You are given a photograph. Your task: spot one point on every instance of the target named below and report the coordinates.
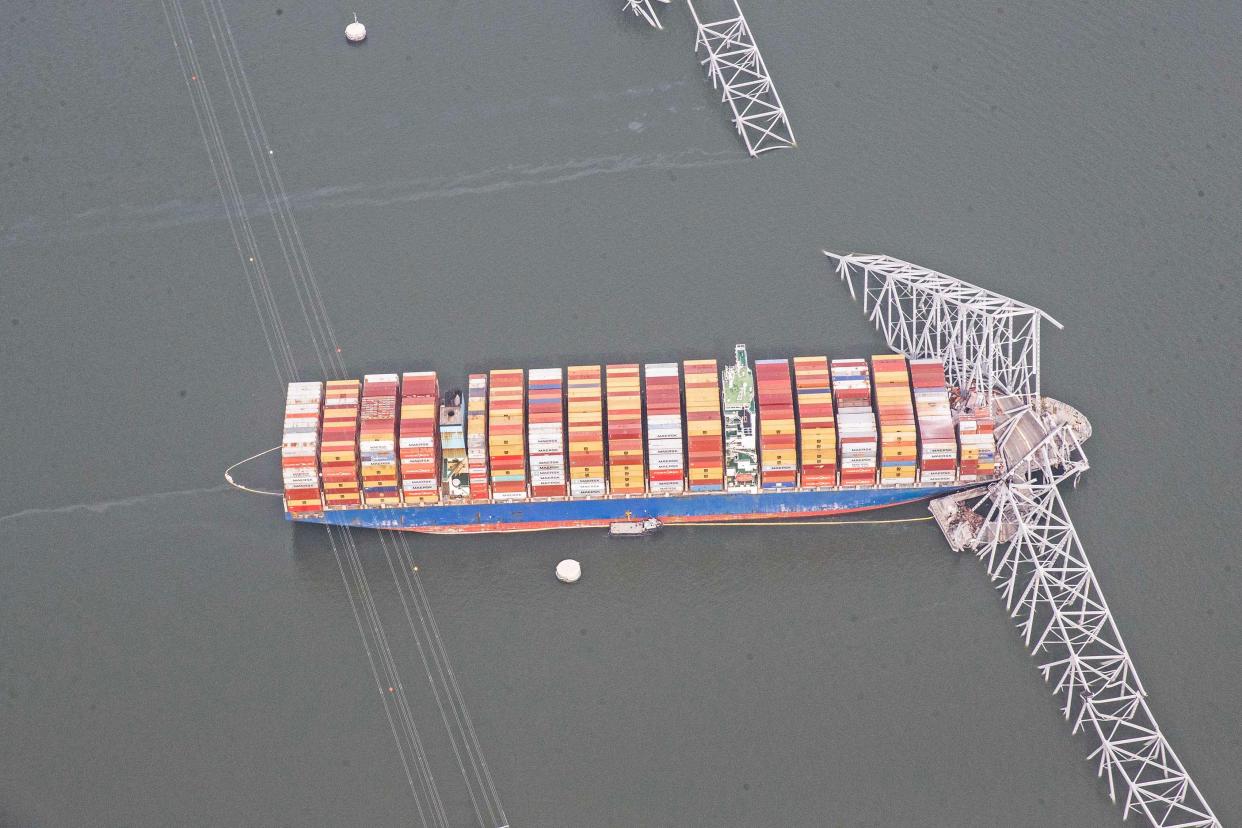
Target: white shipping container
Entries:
(587, 487)
(508, 495)
(938, 477)
(857, 463)
(666, 464)
(386, 446)
(666, 486)
(856, 444)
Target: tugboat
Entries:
(634, 528)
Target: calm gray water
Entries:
(536, 184)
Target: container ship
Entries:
(628, 445)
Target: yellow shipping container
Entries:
(421, 497)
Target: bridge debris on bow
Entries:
(1020, 528)
(736, 67)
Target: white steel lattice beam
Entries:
(736, 67)
(1019, 526)
(989, 343)
(644, 9)
(1046, 581)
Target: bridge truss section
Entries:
(1033, 555)
(1019, 525)
(989, 343)
(736, 68)
(644, 9)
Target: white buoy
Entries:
(568, 571)
(355, 32)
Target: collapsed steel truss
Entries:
(989, 343)
(1020, 528)
(644, 9)
(736, 68)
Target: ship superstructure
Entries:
(741, 455)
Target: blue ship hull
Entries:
(528, 515)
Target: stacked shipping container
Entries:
(476, 437)
(665, 455)
(338, 453)
(817, 425)
(703, 426)
(377, 444)
(624, 408)
(420, 396)
(454, 469)
(778, 430)
(393, 440)
(546, 428)
(937, 446)
(586, 431)
(856, 434)
(299, 448)
(506, 438)
(898, 437)
(978, 445)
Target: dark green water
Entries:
(538, 184)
